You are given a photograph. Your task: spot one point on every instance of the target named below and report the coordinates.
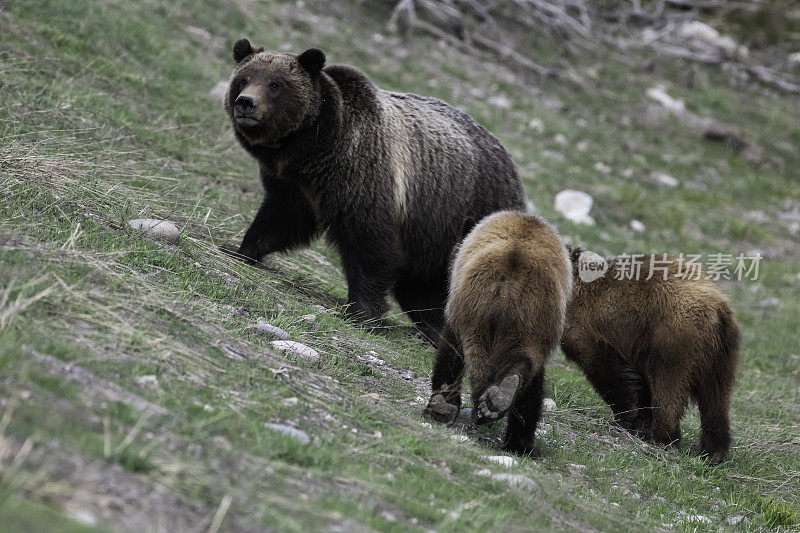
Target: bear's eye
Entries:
(243, 83)
(274, 85)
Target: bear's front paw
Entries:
(440, 411)
(236, 253)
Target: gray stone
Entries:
(273, 331)
(157, 229)
(575, 206)
(517, 481)
(289, 431)
(298, 349)
(147, 382)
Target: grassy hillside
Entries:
(134, 392)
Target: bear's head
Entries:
(273, 94)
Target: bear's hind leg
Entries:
(524, 416)
(670, 392)
(448, 371)
(714, 404)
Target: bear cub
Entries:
(510, 284)
(647, 345)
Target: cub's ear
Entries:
(467, 226)
(574, 253)
(243, 49)
(312, 60)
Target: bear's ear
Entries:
(312, 60)
(243, 49)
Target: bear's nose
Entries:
(244, 105)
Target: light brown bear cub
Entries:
(510, 284)
(647, 345)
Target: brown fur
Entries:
(509, 288)
(648, 345)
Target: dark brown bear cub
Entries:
(389, 177)
(647, 345)
(509, 287)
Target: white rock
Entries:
(483, 472)
(689, 517)
(219, 91)
(560, 139)
(291, 402)
(427, 425)
(734, 519)
(696, 30)
(555, 156)
(269, 329)
(500, 102)
(459, 438)
(81, 516)
(662, 178)
(575, 206)
(298, 349)
(158, 229)
(503, 460)
(602, 167)
(548, 404)
(659, 95)
(794, 60)
(147, 382)
(536, 125)
(637, 226)
(289, 431)
(516, 480)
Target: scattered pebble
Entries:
(769, 302)
(734, 519)
(82, 516)
(208, 408)
(427, 425)
(560, 139)
(483, 472)
(147, 382)
(536, 125)
(575, 206)
(290, 402)
(688, 517)
(660, 95)
(503, 460)
(602, 168)
(269, 329)
(662, 178)
(298, 349)
(542, 429)
(500, 102)
(421, 400)
(309, 318)
(157, 229)
(548, 404)
(459, 438)
(637, 226)
(289, 431)
(371, 396)
(518, 481)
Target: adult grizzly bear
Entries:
(646, 345)
(509, 288)
(389, 177)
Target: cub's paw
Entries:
(712, 457)
(493, 404)
(440, 411)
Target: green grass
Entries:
(104, 118)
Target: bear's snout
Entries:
(244, 106)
